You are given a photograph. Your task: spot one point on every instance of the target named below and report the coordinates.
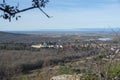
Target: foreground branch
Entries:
(11, 11)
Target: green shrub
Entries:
(115, 71)
(65, 70)
(89, 77)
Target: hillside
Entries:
(79, 55)
(6, 37)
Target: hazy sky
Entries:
(67, 14)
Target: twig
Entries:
(44, 12)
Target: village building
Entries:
(45, 45)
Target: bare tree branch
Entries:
(44, 12)
(10, 11)
(23, 10)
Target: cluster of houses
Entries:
(46, 45)
(80, 45)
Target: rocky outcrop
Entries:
(66, 77)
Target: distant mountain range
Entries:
(35, 36)
(11, 37)
(7, 37)
(77, 30)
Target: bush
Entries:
(65, 70)
(8, 72)
(31, 66)
(115, 71)
(89, 77)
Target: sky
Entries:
(66, 14)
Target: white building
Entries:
(46, 46)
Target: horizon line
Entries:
(75, 29)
